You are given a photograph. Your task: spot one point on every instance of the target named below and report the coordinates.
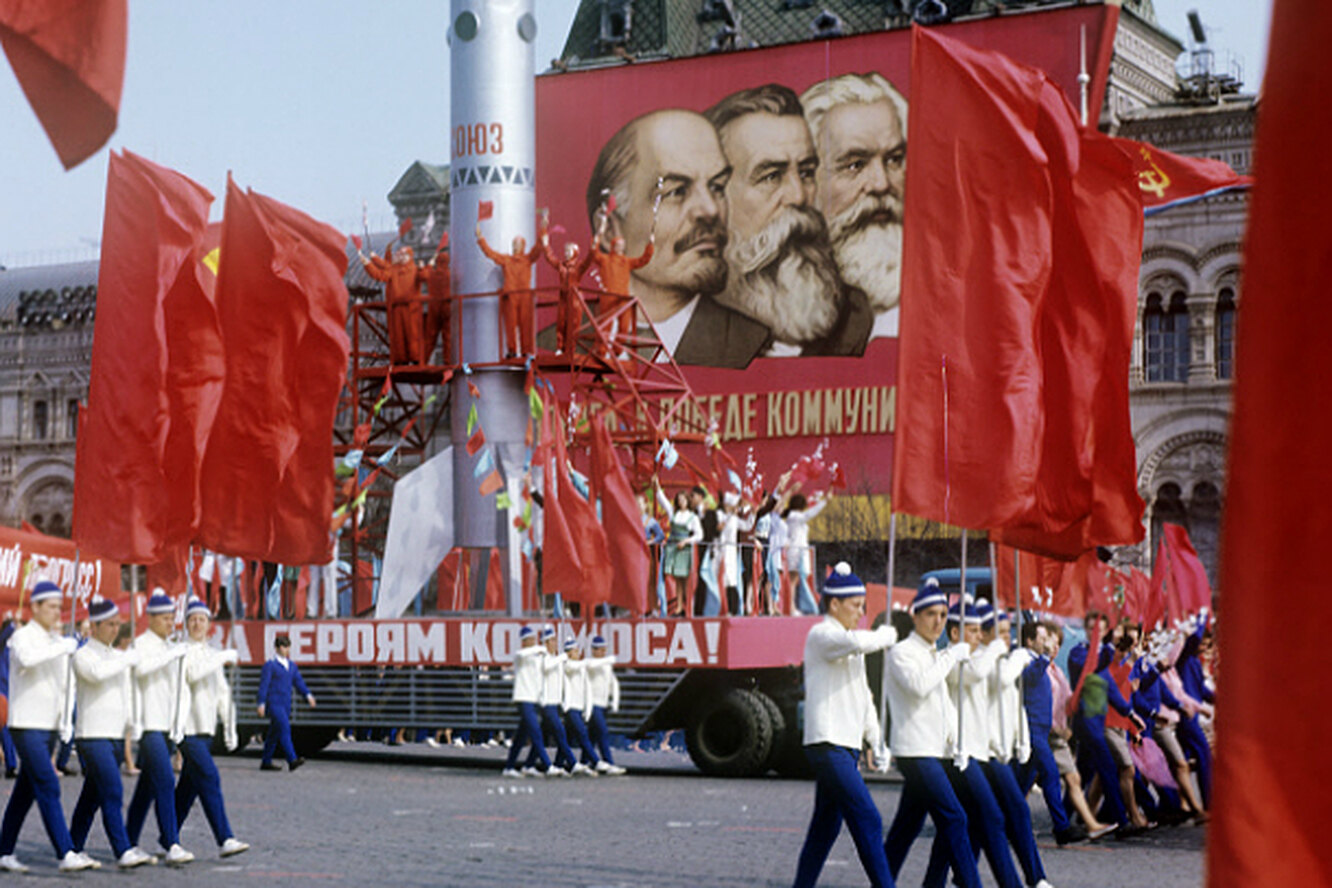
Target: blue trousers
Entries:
(578, 730)
(7, 747)
(37, 781)
(199, 778)
(1017, 818)
(564, 757)
(1094, 758)
(1042, 766)
(804, 598)
(926, 790)
(707, 574)
(840, 795)
(279, 734)
(1194, 743)
(985, 827)
(529, 729)
(156, 787)
(101, 789)
(600, 734)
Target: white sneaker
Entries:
(232, 846)
(615, 771)
(11, 864)
(432, 742)
(135, 857)
(492, 743)
(73, 862)
(581, 769)
(460, 744)
(533, 772)
(512, 773)
(603, 766)
(1043, 883)
(558, 772)
(93, 863)
(177, 855)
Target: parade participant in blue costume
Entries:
(1190, 733)
(38, 671)
(923, 736)
(603, 694)
(840, 721)
(1038, 697)
(103, 675)
(6, 742)
(207, 700)
(552, 694)
(276, 681)
(527, 685)
(157, 684)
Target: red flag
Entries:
(495, 583)
(69, 57)
(267, 488)
(1047, 584)
(1168, 180)
(623, 521)
(1179, 574)
(477, 441)
(157, 368)
(485, 209)
(575, 553)
(491, 483)
(1268, 825)
(404, 226)
(1010, 355)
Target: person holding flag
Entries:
(102, 673)
(576, 704)
(38, 665)
(206, 700)
(603, 693)
(527, 687)
(157, 676)
(840, 721)
(516, 308)
(552, 695)
(402, 280)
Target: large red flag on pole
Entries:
(1178, 574)
(69, 58)
(623, 520)
(157, 368)
(1272, 767)
(267, 482)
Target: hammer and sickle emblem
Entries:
(1153, 180)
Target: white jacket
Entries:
(38, 671)
(603, 688)
(527, 674)
(103, 691)
(924, 720)
(976, 676)
(552, 679)
(839, 708)
(156, 681)
(1010, 736)
(575, 686)
(207, 693)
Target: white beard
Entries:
(785, 277)
(870, 256)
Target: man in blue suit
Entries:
(275, 684)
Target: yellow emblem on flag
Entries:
(210, 259)
(1152, 180)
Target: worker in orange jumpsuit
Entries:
(615, 269)
(571, 271)
(516, 309)
(402, 291)
(439, 310)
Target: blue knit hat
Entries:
(160, 603)
(928, 595)
(986, 612)
(570, 644)
(547, 633)
(841, 583)
(598, 641)
(197, 606)
(44, 591)
(972, 617)
(526, 632)
(102, 609)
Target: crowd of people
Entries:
(977, 717)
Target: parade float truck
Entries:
(733, 684)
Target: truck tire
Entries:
(311, 739)
(730, 736)
(778, 723)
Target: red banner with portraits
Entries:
(771, 183)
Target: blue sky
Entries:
(319, 103)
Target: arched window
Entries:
(39, 419)
(1225, 334)
(56, 526)
(1168, 508)
(1166, 330)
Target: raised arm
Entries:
(96, 670)
(831, 645)
(485, 248)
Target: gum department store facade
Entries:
(1187, 305)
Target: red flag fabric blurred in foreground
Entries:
(1269, 821)
(623, 521)
(1179, 574)
(1166, 180)
(157, 368)
(69, 58)
(561, 562)
(267, 483)
(585, 530)
(1014, 406)
(1046, 583)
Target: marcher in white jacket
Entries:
(603, 693)
(576, 706)
(527, 687)
(207, 700)
(552, 697)
(840, 721)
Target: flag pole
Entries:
(959, 756)
(883, 679)
(67, 707)
(1084, 79)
